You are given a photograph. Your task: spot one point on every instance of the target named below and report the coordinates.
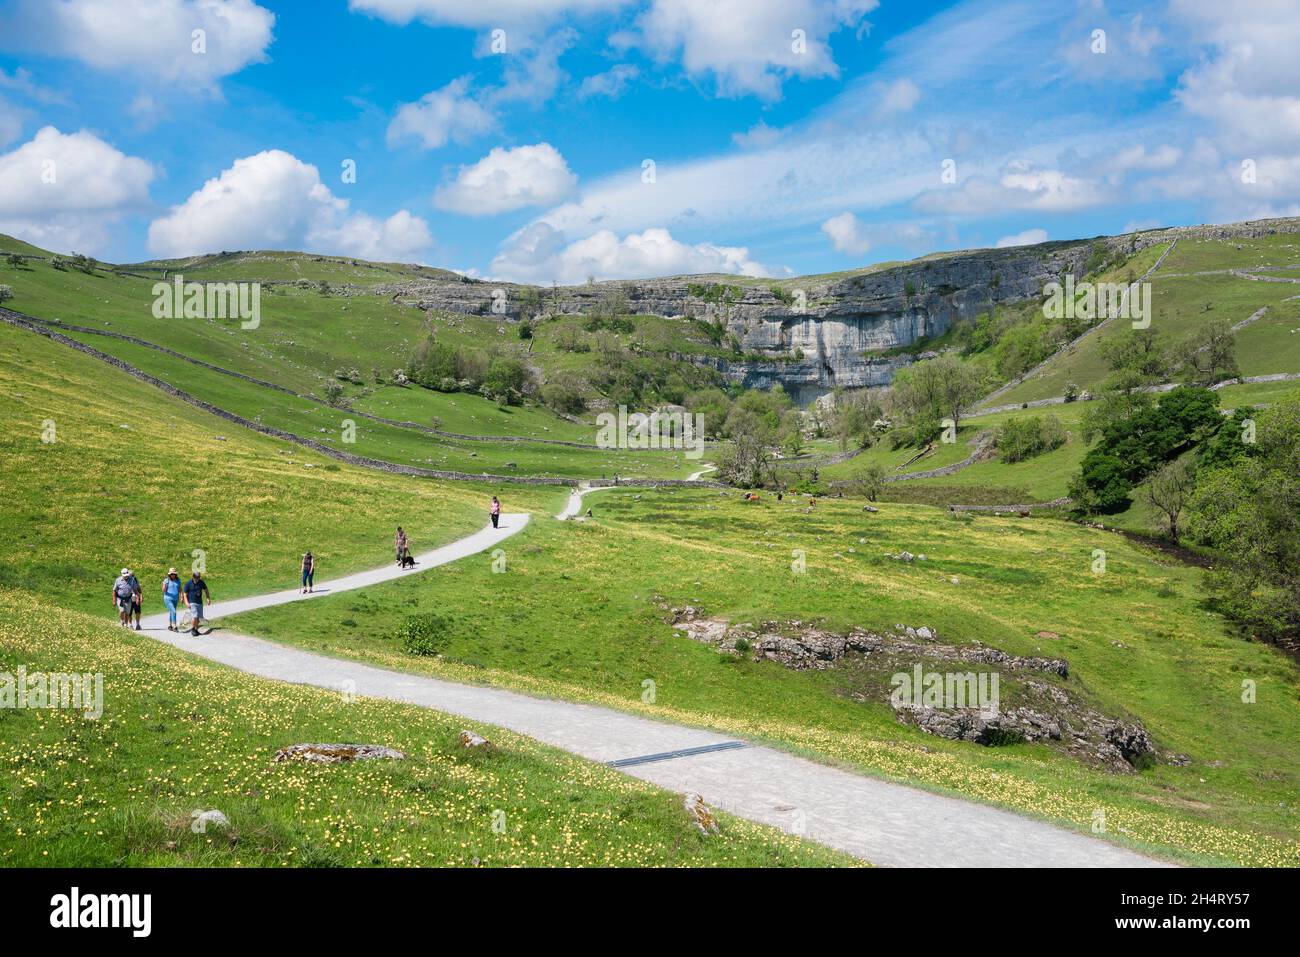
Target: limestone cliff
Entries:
(815, 333)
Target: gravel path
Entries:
(886, 823)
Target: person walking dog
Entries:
(399, 544)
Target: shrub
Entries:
(424, 634)
(564, 395)
(6, 293)
(333, 392)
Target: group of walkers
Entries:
(128, 598)
(192, 593)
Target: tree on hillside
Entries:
(1210, 355)
(927, 392)
(1168, 493)
(1136, 358)
(1250, 512)
(747, 459)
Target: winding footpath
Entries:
(885, 823)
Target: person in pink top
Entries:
(495, 511)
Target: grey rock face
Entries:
(813, 334)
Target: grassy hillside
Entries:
(575, 617)
(178, 736)
(137, 478)
(1196, 275)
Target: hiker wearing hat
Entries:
(171, 591)
(127, 598)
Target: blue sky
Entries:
(786, 136)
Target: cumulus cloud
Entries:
(65, 191)
(1029, 237)
(846, 234)
(273, 200)
(508, 179)
(748, 46)
(449, 113)
(152, 38)
(1249, 84)
(540, 253)
(611, 84)
(852, 237)
(1022, 185)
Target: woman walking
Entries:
(308, 572)
(495, 511)
(171, 592)
(399, 544)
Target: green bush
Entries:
(424, 634)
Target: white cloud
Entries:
(532, 72)
(897, 97)
(1029, 237)
(801, 180)
(508, 179)
(479, 13)
(757, 136)
(611, 84)
(273, 200)
(748, 46)
(846, 234)
(1021, 185)
(152, 38)
(539, 253)
(65, 191)
(1250, 83)
(854, 238)
(449, 113)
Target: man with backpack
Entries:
(127, 598)
(196, 590)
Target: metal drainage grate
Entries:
(682, 753)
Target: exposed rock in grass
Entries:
(1041, 710)
(336, 753)
(701, 814)
(202, 819)
(468, 739)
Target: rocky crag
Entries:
(815, 333)
(1036, 703)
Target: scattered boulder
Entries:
(701, 814)
(203, 818)
(337, 753)
(468, 739)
